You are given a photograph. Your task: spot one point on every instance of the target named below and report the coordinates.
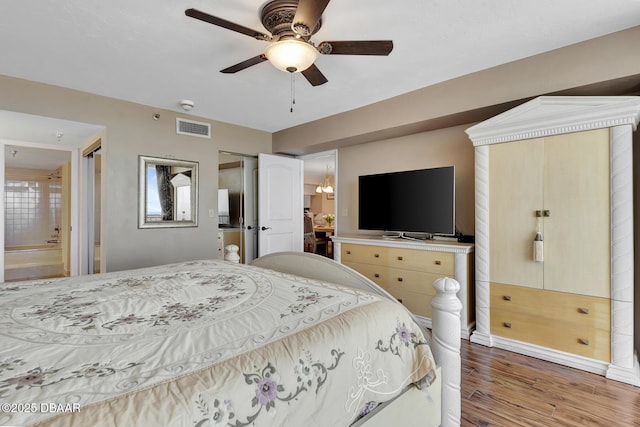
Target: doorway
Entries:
(92, 188)
(238, 204)
(320, 201)
(37, 190)
(38, 141)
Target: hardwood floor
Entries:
(501, 388)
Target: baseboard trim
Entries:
(482, 338)
(626, 375)
(560, 357)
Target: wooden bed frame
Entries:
(441, 405)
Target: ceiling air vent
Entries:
(189, 127)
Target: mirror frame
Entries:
(143, 163)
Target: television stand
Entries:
(401, 235)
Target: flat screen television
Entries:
(416, 201)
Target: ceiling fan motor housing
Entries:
(277, 17)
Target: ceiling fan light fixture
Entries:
(291, 55)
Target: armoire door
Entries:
(515, 188)
(577, 232)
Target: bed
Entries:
(293, 340)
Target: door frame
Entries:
(86, 255)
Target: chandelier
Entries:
(327, 183)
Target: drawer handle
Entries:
(399, 279)
(376, 275)
(506, 297)
(399, 258)
(376, 255)
(348, 252)
(438, 262)
(507, 325)
(583, 341)
(583, 310)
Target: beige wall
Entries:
(598, 60)
(444, 147)
(131, 131)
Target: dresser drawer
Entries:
(412, 281)
(375, 273)
(588, 342)
(364, 254)
(419, 304)
(581, 310)
(440, 263)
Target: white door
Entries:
(280, 202)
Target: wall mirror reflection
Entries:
(167, 193)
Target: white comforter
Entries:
(203, 343)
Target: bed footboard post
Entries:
(446, 346)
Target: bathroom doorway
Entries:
(40, 159)
(37, 198)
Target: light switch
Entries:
(212, 213)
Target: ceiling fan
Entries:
(291, 24)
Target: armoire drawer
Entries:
(440, 263)
(364, 254)
(588, 342)
(581, 310)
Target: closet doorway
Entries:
(92, 192)
(238, 204)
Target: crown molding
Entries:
(554, 115)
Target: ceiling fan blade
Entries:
(202, 16)
(307, 16)
(244, 64)
(314, 76)
(358, 47)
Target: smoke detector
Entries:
(187, 105)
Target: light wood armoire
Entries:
(554, 232)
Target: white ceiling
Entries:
(149, 52)
(56, 136)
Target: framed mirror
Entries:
(167, 193)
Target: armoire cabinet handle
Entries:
(376, 255)
(507, 325)
(583, 341)
(399, 258)
(399, 279)
(438, 262)
(377, 276)
(506, 297)
(348, 252)
(583, 310)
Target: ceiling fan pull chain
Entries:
(293, 92)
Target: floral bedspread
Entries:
(203, 343)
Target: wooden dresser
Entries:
(407, 269)
(554, 232)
